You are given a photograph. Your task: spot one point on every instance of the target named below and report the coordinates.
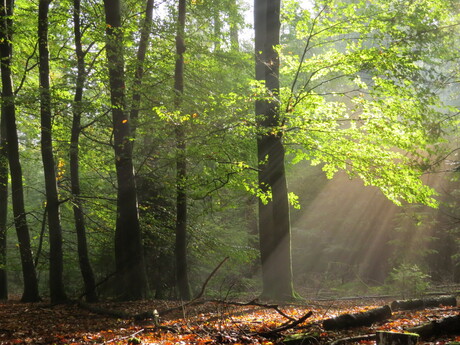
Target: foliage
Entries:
(357, 98)
(364, 91)
(409, 281)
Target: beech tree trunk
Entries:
(57, 293)
(234, 29)
(30, 293)
(3, 206)
(80, 227)
(139, 71)
(274, 219)
(181, 163)
(129, 257)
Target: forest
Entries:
(228, 149)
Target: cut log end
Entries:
(394, 338)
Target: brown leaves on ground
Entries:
(207, 323)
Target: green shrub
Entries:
(409, 281)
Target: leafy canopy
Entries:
(357, 93)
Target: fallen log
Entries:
(424, 303)
(447, 326)
(395, 338)
(366, 318)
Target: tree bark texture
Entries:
(181, 162)
(139, 71)
(359, 319)
(129, 258)
(30, 293)
(274, 219)
(80, 227)
(424, 303)
(57, 293)
(3, 206)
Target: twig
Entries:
(125, 337)
(200, 294)
(257, 304)
(208, 279)
(286, 327)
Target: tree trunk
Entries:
(57, 293)
(83, 258)
(181, 163)
(359, 319)
(217, 30)
(129, 258)
(3, 206)
(30, 293)
(274, 222)
(139, 71)
(234, 27)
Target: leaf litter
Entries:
(203, 323)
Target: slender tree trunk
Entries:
(234, 29)
(129, 258)
(83, 258)
(181, 163)
(57, 292)
(3, 206)
(217, 31)
(274, 222)
(139, 71)
(30, 293)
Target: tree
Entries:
(274, 222)
(85, 265)
(181, 162)
(132, 281)
(3, 208)
(56, 282)
(139, 67)
(30, 293)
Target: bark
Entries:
(274, 219)
(447, 326)
(359, 319)
(3, 207)
(181, 163)
(57, 293)
(30, 293)
(234, 27)
(80, 227)
(393, 338)
(139, 71)
(424, 303)
(129, 258)
(217, 31)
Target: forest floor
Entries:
(202, 323)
